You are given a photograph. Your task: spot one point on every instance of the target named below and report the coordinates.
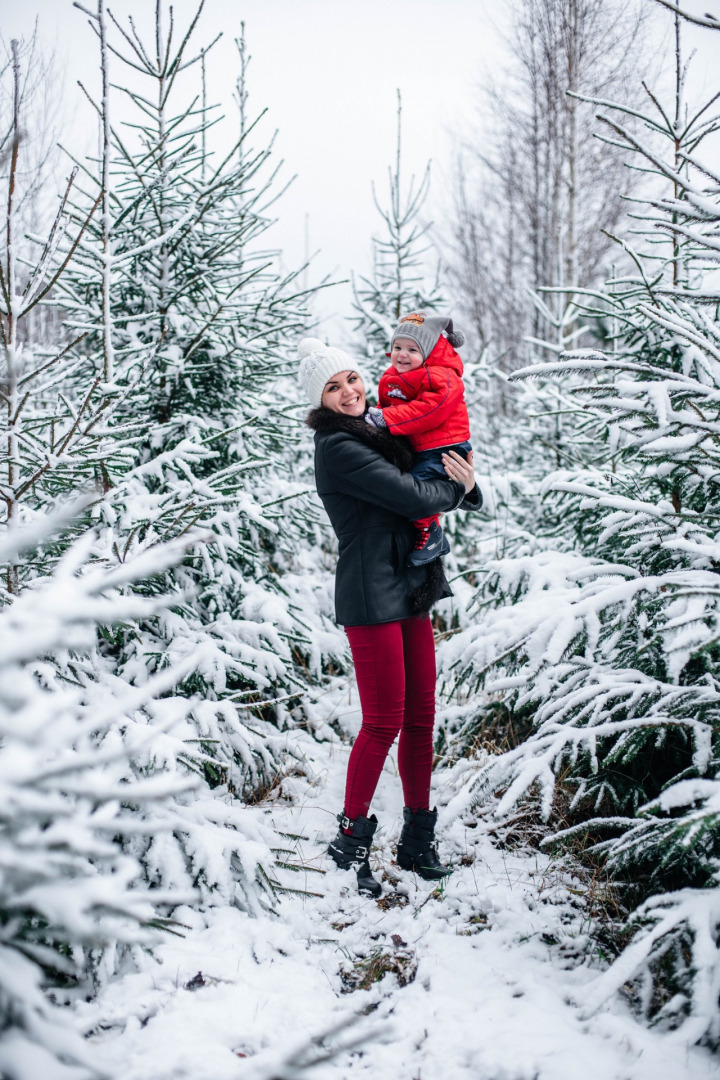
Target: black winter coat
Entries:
(362, 477)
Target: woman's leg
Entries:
(377, 653)
(415, 752)
(416, 848)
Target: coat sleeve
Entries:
(473, 500)
(436, 403)
(362, 472)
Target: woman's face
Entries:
(345, 393)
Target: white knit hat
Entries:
(318, 365)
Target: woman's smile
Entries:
(345, 393)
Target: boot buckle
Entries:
(345, 821)
(361, 852)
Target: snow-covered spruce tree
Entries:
(54, 412)
(609, 650)
(399, 281)
(74, 434)
(189, 321)
(528, 212)
(527, 218)
(71, 898)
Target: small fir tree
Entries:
(190, 319)
(398, 284)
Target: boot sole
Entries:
(425, 872)
(445, 550)
(369, 890)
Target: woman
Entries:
(362, 476)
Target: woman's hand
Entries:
(459, 469)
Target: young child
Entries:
(422, 396)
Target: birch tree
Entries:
(532, 162)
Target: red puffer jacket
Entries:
(427, 404)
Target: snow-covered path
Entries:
(486, 978)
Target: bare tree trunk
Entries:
(10, 288)
(572, 50)
(108, 350)
(677, 192)
(28, 451)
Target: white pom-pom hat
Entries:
(318, 364)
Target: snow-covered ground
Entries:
(487, 973)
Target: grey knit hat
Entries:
(318, 364)
(426, 331)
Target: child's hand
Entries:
(375, 418)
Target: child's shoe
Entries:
(430, 544)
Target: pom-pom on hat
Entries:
(318, 364)
(426, 331)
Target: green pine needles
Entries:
(606, 627)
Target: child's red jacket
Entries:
(427, 404)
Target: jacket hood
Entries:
(394, 448)
(443, 355)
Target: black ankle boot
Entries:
(354, 851)
(417, 848)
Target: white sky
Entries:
(327, 70)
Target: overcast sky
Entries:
(327, 70)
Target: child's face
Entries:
(405, 354)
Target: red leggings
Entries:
(395, 669)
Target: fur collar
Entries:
(394, 448)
